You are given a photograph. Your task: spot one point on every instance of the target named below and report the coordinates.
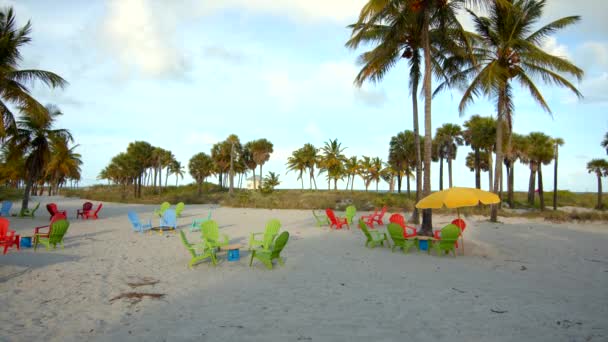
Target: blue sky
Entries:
(184, 75)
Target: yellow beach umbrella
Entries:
(457, 198)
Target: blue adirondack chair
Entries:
(169, 219)
(6, 208)
(137, 225)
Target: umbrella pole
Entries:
(461, 232)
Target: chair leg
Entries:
(251, 260)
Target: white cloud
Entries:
(334, 10)
(142, 39)
(551, 46)
(592, 55)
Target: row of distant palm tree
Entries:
(33, 151)
(505, 48)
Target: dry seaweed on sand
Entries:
(136, 297)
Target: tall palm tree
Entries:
(510, 51)
(332, 161)
(297, 163)
(248, 160)
(271, 181)
(63, 164)
(200, 167)
(541, 151)
(449, 137)
(13, 81)
(261, 149)
(518, 150)
(403, 28)
(376, 171)
(351, 166)
(557, 142)
(141, 153)
(176, 169)
(235, 147)
(365, 170)
(402, 156)
(600, 168)
(480, 134)
(34, 135)
(605, 142)
(310, 158)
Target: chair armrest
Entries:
(414, 231)
(37, 229)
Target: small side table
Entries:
(233, 251)
(423, 242)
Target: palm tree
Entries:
(517, 151)
(541, 151)
(351, 166)
(449, 138)
(34, 135)
(402, 156)
(402, 28)
(297, 163)
(605, 142)
(480, 134)
(271, 181)
(557, 142)
(220, 154)
(332, 161)
(509, 51)
(235, 147)
(201, 167)
(142, 154)
(600, 168)
(365, 170)
(311, 159)
(177, 169)
(261, 150)
(64, 163)
(477, 162)
(248, 160)
(376, 171)
(13, 82)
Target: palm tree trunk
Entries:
(450, 169)
(260, 184)
(399, 182)
(440, 173)
(599, 191)
(532, 183)
(555, 178)
(427, 214)
(231, 190)
(510, 183)
(477, 169)
(28, 188)
(200, 187)
(490, 170)
(541, 194)
(335, 184)
(415, 216)
(167, 178)
(407, 183)
(160, 177)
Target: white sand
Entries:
(550, 281)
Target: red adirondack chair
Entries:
(7, 236)
(400, 220)
(93, 214)
(52, 209)
(86, 207)
(376, 217)
(338, 222)
(58, 216)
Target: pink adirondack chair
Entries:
(338, 222)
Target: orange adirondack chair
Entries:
(400, 220)
(338, 222)
(7, 236)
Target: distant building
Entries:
(250, 182)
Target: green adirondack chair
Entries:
(211, 232)
(163, 207)
(267, 256)
(272, 229)
(208, 252)
(179, 207)
(447, 242)
(396, 233)
(29, 212)
(351, 211)
(56, 233)
(374, 237)
(322, 220)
